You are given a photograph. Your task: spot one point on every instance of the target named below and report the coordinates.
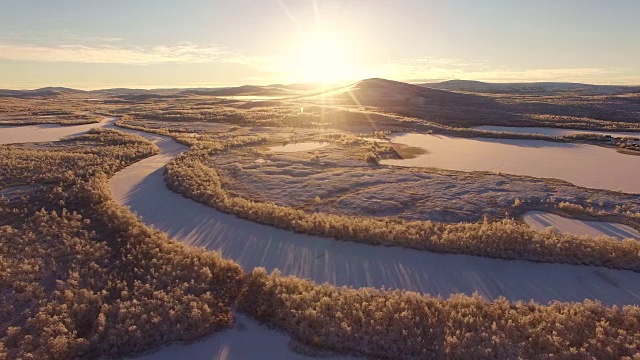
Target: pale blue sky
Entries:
(151, 43)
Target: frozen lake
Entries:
(11, 134)
(580, 164)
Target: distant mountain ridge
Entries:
(239, 91)
(45, 91)
(248, 90)
(530, 87)
(367, 85)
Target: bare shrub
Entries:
(371, 158)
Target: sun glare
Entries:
(323, 57)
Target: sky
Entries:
(90, 44)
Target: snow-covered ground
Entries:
(15, 192)
(557, 132)
(141, 187)
(541, 220)
(301, 146)
(247, 340)
(583, 165)
(45, 133)
(340, 183)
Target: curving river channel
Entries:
(141, 188)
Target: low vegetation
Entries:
(40, 111)
(631, 144)
(82, 277)
(405, 325)
(189, 175)
(589, 137)
(601, 114)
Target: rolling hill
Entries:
(416, 101)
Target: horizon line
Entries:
(225, 86)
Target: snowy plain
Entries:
(301, 146)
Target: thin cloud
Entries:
(109, 53)
(99, 50)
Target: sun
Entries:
(323, 57)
